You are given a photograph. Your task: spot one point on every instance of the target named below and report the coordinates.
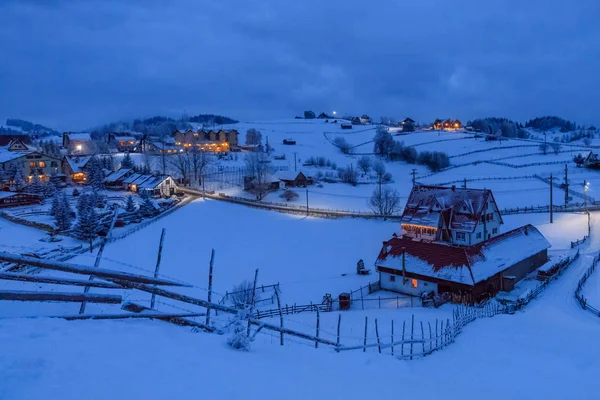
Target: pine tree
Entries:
(239, 338)
(87, 225)
(97, 199)
(36, 186)
(19, 180)
(63, 215)
(95, 176)
(129, 204)
(83, 203)
(55, 205)
(127, 162)
(147, 209)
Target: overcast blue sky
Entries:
(73, 64)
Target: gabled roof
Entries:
(116, 175)
(153, 182)
(6, 155)
(426, 205)
(460, 264)
(408, 120)
(5, 140)
(86, 137)
(77, 163)
(290, 175)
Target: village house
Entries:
(591, 161)
(115, 180)
(213, 141)
(16, 156)
(123, 142)
(294, 179)
(75, 167)
(270, 183)
(152, 185)
(77, 143)
(448, 125)
(450, 243)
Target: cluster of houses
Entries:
(19, 162)
(212, 141)
(278, 180)
(447, 125)
(450, 244)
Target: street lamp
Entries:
(334, 113)
(586, 187)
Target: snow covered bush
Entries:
(348, 175)
(239, 339)
(130, 204)
(289, 195)
(342, 144)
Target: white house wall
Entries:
(398, 286)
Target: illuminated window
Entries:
(413, 283)
(78, 147)
(42, 164)
(32, 164)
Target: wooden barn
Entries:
(468, 274)
(294, 179)
(13, 199)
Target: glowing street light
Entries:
(334, 113)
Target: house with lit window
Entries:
(75, 167)
(77, 143)
(448, 125)
(212, 141)
(17, 156)
(123, 142)
(152, 185)
(450, 242)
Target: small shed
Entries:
(346, 125)
(289, 141)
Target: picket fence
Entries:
(578, 292)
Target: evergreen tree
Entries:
(63, 215)
(83, 203)
(55, 205)
(95, 176)
(127, 162)
(19, 180)
(97, 199)
(107, 163)
(87, 225)
(36, 186)
(129, 204)
(239, 339)
(147, 209)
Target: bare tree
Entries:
(253, 136)
(241, 295)
(383, 142)
(181, 163)
(198, 161)
(385, 201)
(364, 163)
(258, 169)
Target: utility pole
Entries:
(414, 176)
(307, 202)
(545, 144)
(585, 194)
(295, 169)
(551, 205)
(465, 183)
(566, 184)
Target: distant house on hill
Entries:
(407, 125)
(448, 124)
(77, 143)
(122, 142)
(591, 161)
(324, 116)
(212, 141)
(346, 125)
(450, 243)
(294, 179)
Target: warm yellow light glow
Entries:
(413, 283)
(78, 147)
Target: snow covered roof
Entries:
(77, 163)
(153, 182)
(79, 136)
(467, 265)
(289, 175)
(116, 175)
(6, 155)
(460, 208)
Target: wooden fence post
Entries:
(392, 337)
(412, 330)
(362, 302)
(252, 300)
(157, 267)
(403, 329)
(337, 342)
(317, 335)
(365, 341)
(280, 315)
(423, 337)
(210, 280)
(377, 335)
(430, 338)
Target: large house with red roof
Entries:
(450, 243)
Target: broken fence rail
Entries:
(22, 295)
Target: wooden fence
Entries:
(579, 291)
